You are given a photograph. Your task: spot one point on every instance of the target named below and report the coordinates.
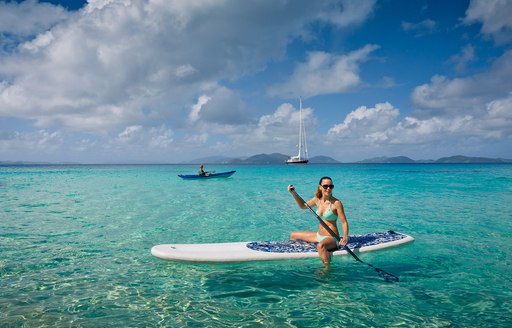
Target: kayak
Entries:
(272, 250)
(207, 175)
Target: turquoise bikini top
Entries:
(328, 215)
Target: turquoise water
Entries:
(75, 247)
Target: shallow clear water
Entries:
(75, 247)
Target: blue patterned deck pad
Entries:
(298, 246)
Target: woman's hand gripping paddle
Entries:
(386, 275)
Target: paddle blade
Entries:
(388, 277)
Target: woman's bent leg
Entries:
(304, 235)
(323, 248)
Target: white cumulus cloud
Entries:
(464, 96)
(494, 16)
(29, 17)
(114, 61)
(324, 73)
(366, 124)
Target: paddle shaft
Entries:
(388, 276)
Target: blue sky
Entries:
(171, 81)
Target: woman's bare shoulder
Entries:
(336, 201)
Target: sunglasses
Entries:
(328, 186)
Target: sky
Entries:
(124, 81)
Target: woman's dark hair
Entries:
(318, 193)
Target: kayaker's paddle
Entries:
(386, 275)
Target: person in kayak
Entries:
(329, 208)
(201, 171)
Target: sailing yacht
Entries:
(302, 157)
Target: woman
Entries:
(329, 208)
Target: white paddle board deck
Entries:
(272, 250)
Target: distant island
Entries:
(458, 159)
(277, 158)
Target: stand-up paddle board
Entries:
(272, 250)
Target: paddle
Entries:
(386, 275)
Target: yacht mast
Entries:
(302, 156)
(303, 146)
(300, 128)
